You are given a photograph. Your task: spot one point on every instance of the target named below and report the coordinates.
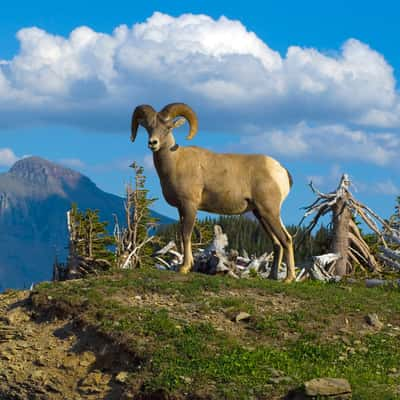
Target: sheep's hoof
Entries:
(289, 279)
(185, 269)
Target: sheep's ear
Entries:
(179, 122)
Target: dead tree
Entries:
(390, 256)
(131, 240)
(347, 240)
(73, 268)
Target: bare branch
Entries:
(320, 194)
(388, 261)
(390, 253)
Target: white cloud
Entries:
(94, 79)
(72, 162)
(330, 181)
(148, 163)
(233, 79)
(120, 164)
(387, 187)
(7, 157)
(336, 142)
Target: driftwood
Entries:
(216, 259)
(79, 267)
(372, 283)
(322, 268)
(174, 258)
(390, 256)
(393, 237)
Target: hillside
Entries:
(147, 334)
(34, 197)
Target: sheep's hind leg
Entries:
(277, 247)
(187, 217)
(274, 222)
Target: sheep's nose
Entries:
(153, 142)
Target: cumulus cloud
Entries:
(148, 162)
(216, 65)
(233, 79)
(384, 187)
(328, 181)
(327, 142)
(72, 162)
(387, 187)
(7, 157)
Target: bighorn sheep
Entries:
(193, 178)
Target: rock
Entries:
(371, 283)
(52, 388)
(8, 333)
(275, 372)
(280, 380)
(373, 320)
(37, 374)
(88, 358)
(186, 379)
(346, 340)
(121, 377)
(40, 361)
(93, 382)
(6, 355)
(16, 316)
(69, 363)
(242, 316)
(333, 387)
(363, 349)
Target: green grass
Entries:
(182, 334)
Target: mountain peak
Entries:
(38, 170)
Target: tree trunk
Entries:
(340, 241)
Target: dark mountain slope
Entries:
(34, 197)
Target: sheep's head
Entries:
(159, 125)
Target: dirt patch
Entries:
(219, 309)
(55, 359)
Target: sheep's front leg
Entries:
(187, 215)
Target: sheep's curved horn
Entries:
(173, 110)
(141, 115)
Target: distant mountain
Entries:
(34, 197)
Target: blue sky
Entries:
(314, 84)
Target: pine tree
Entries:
(89, 236)
(245, 233)
(394, 223)
(395, 218)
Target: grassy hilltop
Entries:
(171, 337)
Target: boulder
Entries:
(331, 388)
(373, 320)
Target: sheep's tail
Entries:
(290, 178)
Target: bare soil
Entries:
(54, 360)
